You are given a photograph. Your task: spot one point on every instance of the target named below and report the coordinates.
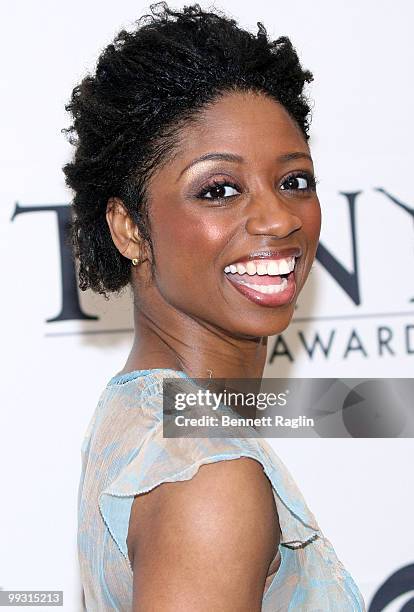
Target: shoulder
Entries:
(218, 530)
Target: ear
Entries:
(124, 231)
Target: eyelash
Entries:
(312, 181)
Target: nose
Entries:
(270, 215)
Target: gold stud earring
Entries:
(135, 261)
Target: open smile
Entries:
(267, 281)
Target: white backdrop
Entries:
(361, 491)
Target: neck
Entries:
(168, 338)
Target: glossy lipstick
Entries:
(265, 277)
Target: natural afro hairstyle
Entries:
(127, 116)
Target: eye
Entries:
(299, 182)
(218, 190)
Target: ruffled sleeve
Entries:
(173, 459)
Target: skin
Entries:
(189, 317)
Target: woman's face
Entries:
(232, 212)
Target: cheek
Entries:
(186, 249)
(311, 227)
(311, 220)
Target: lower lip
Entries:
(268, 299)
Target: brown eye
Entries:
(295, 182)
(218, 191)
(299, 182)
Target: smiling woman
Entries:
(193, 182)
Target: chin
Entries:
(263, 325)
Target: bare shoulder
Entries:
(205, 543)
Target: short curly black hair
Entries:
(126, 117)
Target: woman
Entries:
(194, 183)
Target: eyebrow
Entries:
(232, 157)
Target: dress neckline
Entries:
(119, 379)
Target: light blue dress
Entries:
(124, 454)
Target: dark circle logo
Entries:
(372, 410)
(399, 583)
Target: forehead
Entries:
(248, 124)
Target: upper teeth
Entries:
(271, 267)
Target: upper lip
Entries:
(269, 254)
